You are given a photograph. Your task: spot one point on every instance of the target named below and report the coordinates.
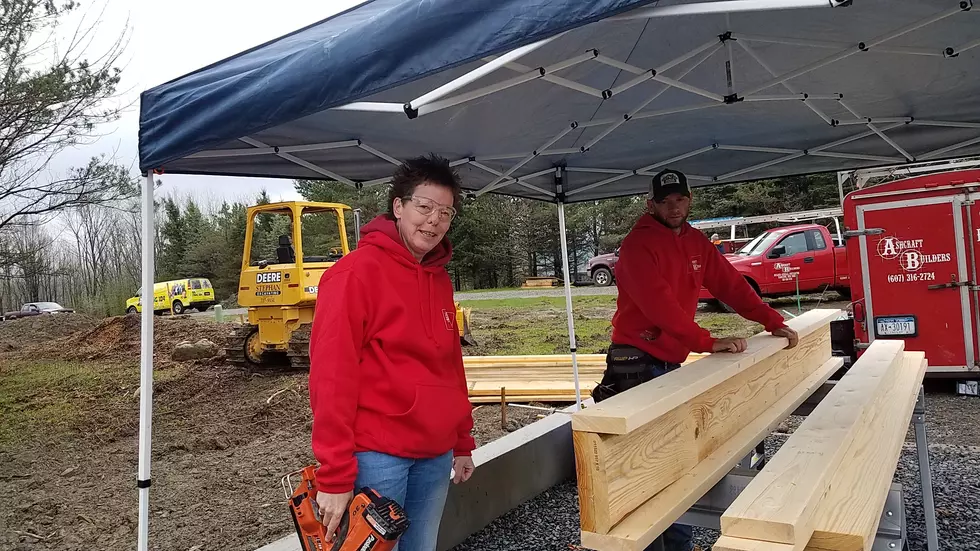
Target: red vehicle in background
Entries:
(795, 259)
(913, 247)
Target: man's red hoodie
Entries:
(660, 274)
(386, 368)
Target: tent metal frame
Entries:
(442, 98)
(550, 183)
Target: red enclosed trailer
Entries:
(913, 246)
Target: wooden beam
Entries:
(847, 517)
(636, 407)
(637, 465)
(638, 529)
(779, 504)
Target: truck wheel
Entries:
(178, 308)
(602, 277)
(131, 310)
(725, 308)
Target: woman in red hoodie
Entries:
(390, 404)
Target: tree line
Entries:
(90, 257)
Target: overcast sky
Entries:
(169, 38)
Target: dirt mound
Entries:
(28, 332)
(118, 338)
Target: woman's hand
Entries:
(332, 507)
(463, 468)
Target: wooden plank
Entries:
(728, 543)
(528, 398)
(480, 388)
(779, 504)
(646, 522)
(638, 406)
(848, 516)
(589, 476)
(638, 465)
(557, 360)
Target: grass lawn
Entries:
(539, 325)
(51, 398)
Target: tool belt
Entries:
(627, 367)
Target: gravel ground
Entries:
(551, 520)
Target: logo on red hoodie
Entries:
(450, 326)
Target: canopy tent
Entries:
(567, 101)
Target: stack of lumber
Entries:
(825, 488)
(533, 282)
(544, 378)
(647, 455)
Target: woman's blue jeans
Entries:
(419, 485)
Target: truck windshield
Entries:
(759, 244)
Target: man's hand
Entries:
(332, 507)
(463, 468)
(730, 344)
(790, 334)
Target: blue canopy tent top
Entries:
(566, 101)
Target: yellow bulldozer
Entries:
(282, 263)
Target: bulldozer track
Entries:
(235, 345)
(297, 355)
(299, 347)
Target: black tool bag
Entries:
(627, 367)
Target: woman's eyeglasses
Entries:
(426, 207)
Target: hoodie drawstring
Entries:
(425, 286)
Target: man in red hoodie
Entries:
(390, 404)
(663, 263)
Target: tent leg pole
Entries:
(568, 303)
(146, 364)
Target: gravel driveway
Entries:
(534, 293)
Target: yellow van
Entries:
(178, 294)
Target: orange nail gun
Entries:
(371, 523)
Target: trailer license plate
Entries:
(896, 326)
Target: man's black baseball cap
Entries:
(666, 182)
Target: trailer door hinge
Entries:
(868, 231)
(862, 345)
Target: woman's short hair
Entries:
(414, 172)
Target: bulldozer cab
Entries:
(288, 246)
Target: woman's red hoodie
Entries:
(386, 367)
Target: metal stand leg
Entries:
(925, 473)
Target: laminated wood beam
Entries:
(638, 406)
(779, 505)
(635, 466)
(621, 471)
(848, 516)
(638, 529)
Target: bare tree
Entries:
(53, 98)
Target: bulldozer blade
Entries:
(466, 339)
